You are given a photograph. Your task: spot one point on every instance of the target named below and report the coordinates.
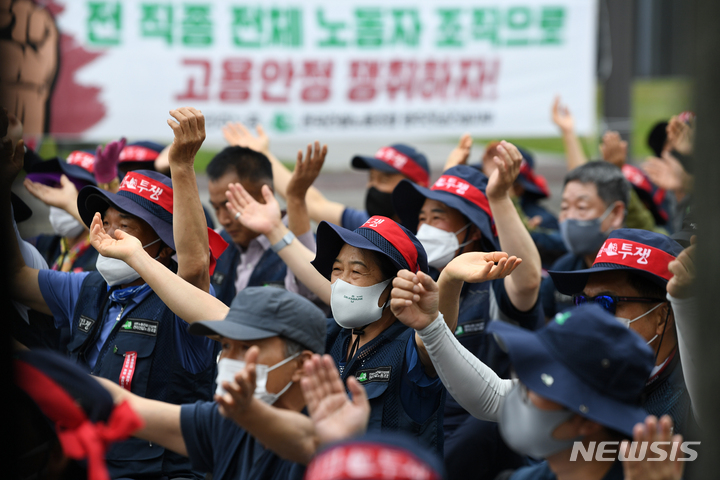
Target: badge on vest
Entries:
(218, 278)
(470, 328)
(145, 327)
(380, 374)
(85, 324)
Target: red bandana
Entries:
(635, 255)
(404, 164)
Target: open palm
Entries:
(477, 267)
(122, 247)
(258, 217)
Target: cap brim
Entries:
(365, 163)
(570, 283)
(408, 199)
(231, 330)
(331, 238)
(93, 199)
(74, 172)
(533, 362)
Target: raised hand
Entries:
(680, 135)
(189, 130)
(654, 431)
(508, 167)
(460, 154)
(666, 172)
(684, 271)
(64, 197)
(477, 267)
(258, 217)
(613, 149)
(237, 135)
(414, 299)
(239, 393)
(334, 414)
(107, 159)
(122, 247)
(562, 117)
(306, 171)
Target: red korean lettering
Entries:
(236, 80)
(400, 78)
(317, 79)
(363, 80)
(434, 79)
(198, 85)
(277, 80)
(478, 79)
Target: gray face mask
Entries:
(584, 237)
(528, 429)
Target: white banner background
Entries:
(141, 78)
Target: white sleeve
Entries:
(32, 259)
(684, 311)
(471, 383)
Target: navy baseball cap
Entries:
(394, 452)
(264, 312)
(397, 158)
(379, 234)
(652, 196)
(585, 360)
(628, 249)
(78, 168)
(534, 184)
(462, 188)
(143, 193)
(85, 418)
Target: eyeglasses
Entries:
(609, 302)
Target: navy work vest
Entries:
(149, 330)
(667, 394)
(270, 270)
(379, 365)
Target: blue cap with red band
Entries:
(144, 151)
(533, 183)
(78, 168)
(461, 188)
(147, 195)
(378, 234)
(397, 158)
(628, 249)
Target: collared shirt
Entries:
(218, 445)
(61, 290)
(250, 256)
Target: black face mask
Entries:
(379, 203)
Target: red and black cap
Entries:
(378, 234)
(397, 158)
(462, 188)
(533, 183)
(645, 253)
(147, 195)
(85, 419)
(144, 151)
(78, 168)
(653, 197)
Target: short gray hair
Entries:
(608, 179)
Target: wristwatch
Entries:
(284, 242)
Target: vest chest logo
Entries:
(472, 328)
(85, 324)
(218, 278)
(380, 374)
(144, 327)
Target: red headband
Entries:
(152, 190)
(136, 153)
(392, 232)
(80, 438)
(404, 164)
(82, 159)
(367, 461)
(461, 188)
(635, 255)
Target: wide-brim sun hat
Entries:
(397, 158)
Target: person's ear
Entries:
(585, 426)
(299, 363)
(617, 216)
(474, 233)
(663, 317)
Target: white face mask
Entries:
(355, 307)
(627, 321)
(117, 272)
(227, 368)
(64, 224)
(439, 245)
